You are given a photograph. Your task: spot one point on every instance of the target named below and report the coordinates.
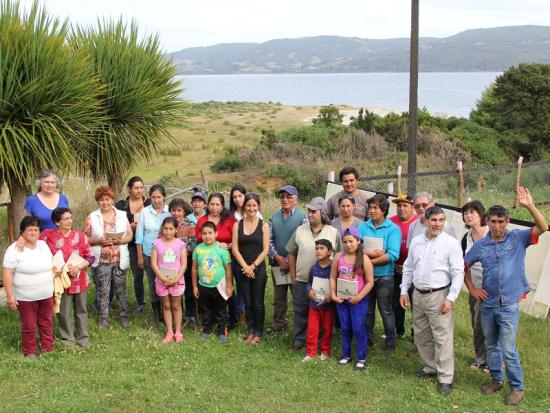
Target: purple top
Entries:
(35, 207)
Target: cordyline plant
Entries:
(49, 99)
(140, 95)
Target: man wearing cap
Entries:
(435, 268)
(403, 219)
(198, 201)
(349, 178)
(421, 202)
(282, 225)
(301, 257)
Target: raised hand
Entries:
(524, 196)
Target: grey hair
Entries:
(44, 174)
(426, 194)
(435, 210)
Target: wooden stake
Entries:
(518, 180)
(399, 171)
(330, 176)
(460, 191)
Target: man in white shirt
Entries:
(436, 269)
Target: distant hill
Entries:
(493, 49)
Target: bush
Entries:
(310, 182)
(316, 136)
(229, 162)
(482, 142)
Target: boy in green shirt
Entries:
(211, 264)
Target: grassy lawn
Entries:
(129, 370)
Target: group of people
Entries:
(340, 258)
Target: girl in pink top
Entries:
(168, 262)
(352, 265)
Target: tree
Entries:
(142, 99)
(49, 99)
(519, 104)
(329, 116)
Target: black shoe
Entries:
(273, 330)
(370, 343)
(445, 388)
(424, 374)
(296, 347)
(389, 350)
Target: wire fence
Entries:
(489, 184)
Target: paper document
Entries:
(321, 288)
(222, 288)
(373, 243)
(280, 276)
(170, 273)
(346, 288)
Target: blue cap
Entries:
(351, 231)
(289, 189)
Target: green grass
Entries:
(129, 370)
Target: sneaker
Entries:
(324, 356)
(178, 337)
(204, 336)
(307, 359)
(222, 338)
(168, 337)
(492, 387)
(360, 365)
(32, 357)
(125, 321)
(139, 309)
(514, 397)
(344, 360)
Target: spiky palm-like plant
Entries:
(142, 99)
(49, 98)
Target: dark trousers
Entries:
(150, 279)
(479, 338)
(300, 303)
(280, 305)
(319, 320)
(214, 310)
(139, 288)
(382, 295)
(253, 291)
(190, 300)
(33, 314)
(398, 311)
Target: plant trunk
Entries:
(117, 185)
(16, 212)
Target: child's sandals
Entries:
(344, 361)
(360, 365)
(178, 337)
(168, 337)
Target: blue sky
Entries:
(188, 23)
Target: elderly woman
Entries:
(133, 206)
(109, 233)
(69, 241)
(28, 281)
(46, 199)
(147, 232)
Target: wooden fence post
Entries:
(204, 180)
(460, 191)
(330, 176)
(399, 180)
(518, 180)
(390, 188)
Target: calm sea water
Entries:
(449, 93)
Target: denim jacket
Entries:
(503, 266)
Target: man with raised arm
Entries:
(504, 285)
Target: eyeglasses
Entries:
(286, 196)
(425, 205)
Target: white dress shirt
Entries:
(434, 264)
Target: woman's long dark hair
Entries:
(225, 212)
(237, 187)
(358, 266)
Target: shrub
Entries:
(229, 162)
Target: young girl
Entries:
(352, 265)
(168, 262)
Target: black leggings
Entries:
(253, 290)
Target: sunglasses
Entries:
(421, 205)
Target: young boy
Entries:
(321, 311)
(211, 263)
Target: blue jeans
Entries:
(352, 323)
(500, 327)
(382, 295)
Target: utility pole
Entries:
(413, 100)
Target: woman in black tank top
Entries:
(250, 246)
